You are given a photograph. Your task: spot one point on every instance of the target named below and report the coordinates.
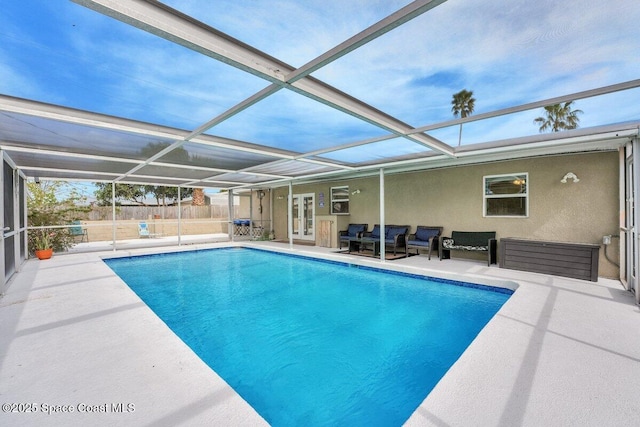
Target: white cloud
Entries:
(509, 52)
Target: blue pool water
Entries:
(313, 343)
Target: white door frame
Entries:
(629, 247)
(303, 224)
(632, 215)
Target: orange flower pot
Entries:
(44, 253)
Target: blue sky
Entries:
(509, 52)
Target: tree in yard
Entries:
(558, 117)
(124, 192)
(137, 194)
(167, 195)
(463, 104)
(52, 203)
(198, 197)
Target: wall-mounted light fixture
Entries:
(356, 191)
(569, 175)
(280, 197)
(260, 194)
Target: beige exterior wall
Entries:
(246, 204)
(453, 198)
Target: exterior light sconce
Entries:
(569, 175)
(356, 191)
(280, 197)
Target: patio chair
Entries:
(78, 230)
(353, 232)
(426, 238)
(394, 236)
(143, 230)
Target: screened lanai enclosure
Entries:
(251, 96)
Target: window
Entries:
(506, 195)
(340, 200)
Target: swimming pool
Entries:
(308, 342)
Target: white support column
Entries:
(290, 214)
(622, 217)
(636, 214)
(2, 224)
(382, 219)
(270, 211)
(11, 230)
(25, 214)
(113, 213)
(16, 220)
(179, 216)
(231, 216)
(251, 214)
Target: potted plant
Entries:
(45, 209)
(43, 245)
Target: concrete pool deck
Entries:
(73, 336)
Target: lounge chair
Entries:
(143, 230)
(426, 238)
(78, 230)
(352, 233)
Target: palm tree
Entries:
(558, 117)
(463, 104)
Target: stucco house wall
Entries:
(452, 197)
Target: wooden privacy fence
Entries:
(123, 213)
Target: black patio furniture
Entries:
(470, 241)
(351, 235)
(425, 238)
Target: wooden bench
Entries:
(470, 241)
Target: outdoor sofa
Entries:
(425, 238)
(470, 241)
(395, 236)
